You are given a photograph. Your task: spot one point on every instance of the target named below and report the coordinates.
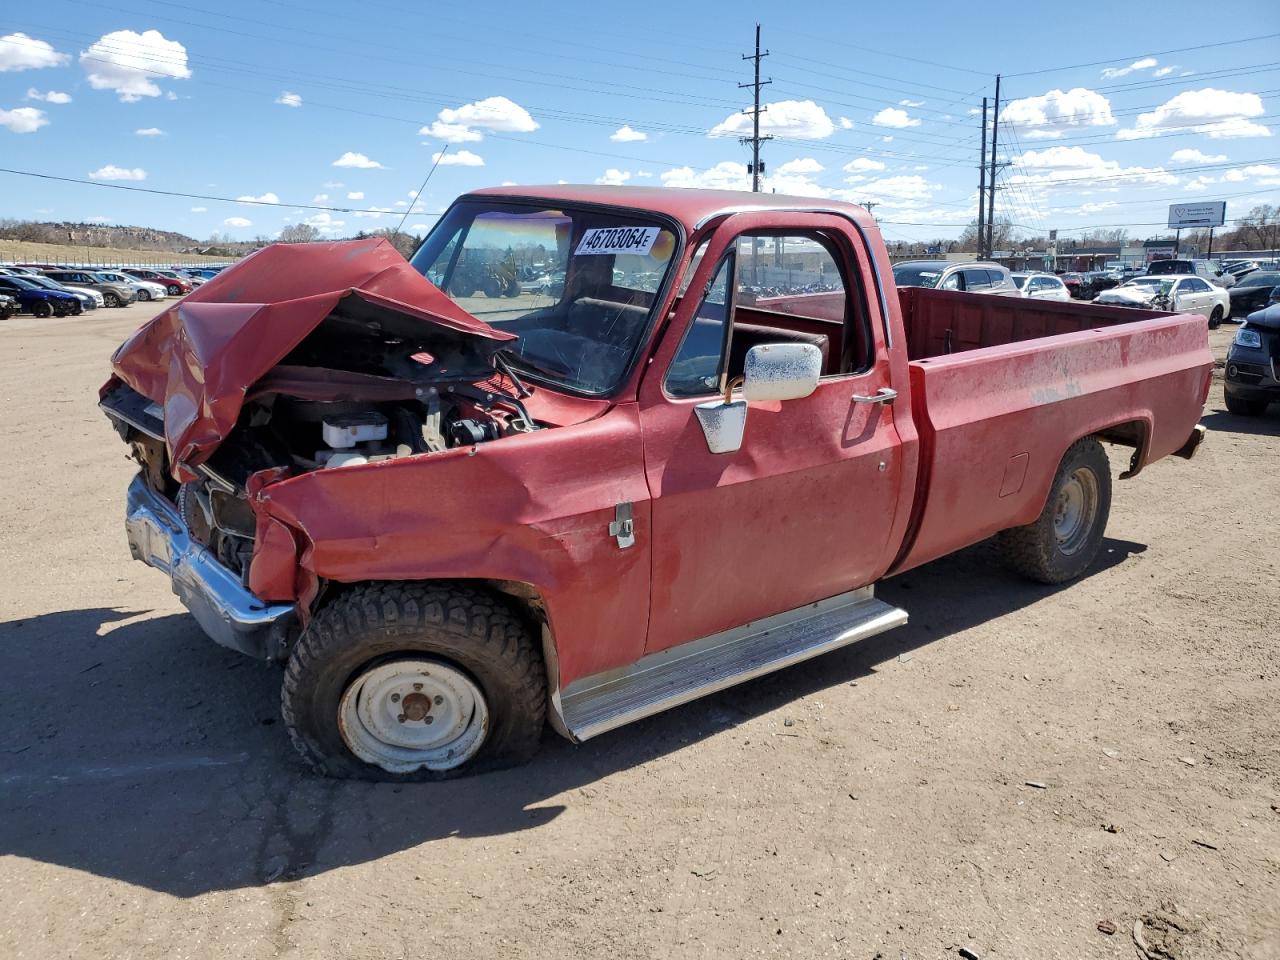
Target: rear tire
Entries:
(1245, 408)
(378, 634)
(1062, 542)
(1215, 318)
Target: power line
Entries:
(1154, 53)
(755, 139)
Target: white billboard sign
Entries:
(1184, 215)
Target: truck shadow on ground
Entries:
(1264, 425)
(133, 748)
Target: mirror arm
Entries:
(731, 384)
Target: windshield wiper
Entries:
(500, 359)
(556, 373)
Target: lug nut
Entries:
(395, 698)
(401, 718)
(428, 719)
(417, 686)
(439, 700)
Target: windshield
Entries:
(577, 286)
(1151, 284)
(23, 282)
(1171, 266)
(918, 274)
(1260, 280)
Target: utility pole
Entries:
(991, 204)
(870, 205)
(755, 139)
(982, 185)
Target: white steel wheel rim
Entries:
(414, 714)
(1074, 510)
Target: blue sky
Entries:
(346, 105)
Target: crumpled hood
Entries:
(199, 357)
(1268, 317)
(1125, 295)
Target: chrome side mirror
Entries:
(781, 371)
(771, 371)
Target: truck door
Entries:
(805, 509)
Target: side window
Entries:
(953, 282)
(1199, 286)
(790, 288)
(976, 280)
(696, 367)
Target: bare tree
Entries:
(1261, 227)
(406, 243)
(299, 233)
(1001, 235)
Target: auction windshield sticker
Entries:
(634, 240)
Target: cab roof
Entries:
(689, 207)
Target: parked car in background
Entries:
(1252, 291)
(8, 306)
(113, 294)
(1040, 286)
(146, 289)
(1074, 283)
(1253, 363)
(15, 270)
(174, 286)
(1099, 280)
(1239, 268)
(1181, 294)
(89, 299)
(40, 301)
(990, 278)
(179, 275)
(194, 276)
(1209, 270)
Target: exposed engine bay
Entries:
(365, 386)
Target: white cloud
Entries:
(862, 163)
(906, 187)
(356, 195)
(21, 52)
(1164, 71)
(798, 119)
(639, 173)
(149, 132)
(886, 139)
(846, 123)
(801, 166)
(614, 177)
(1146, 63)
(112, 172)
(129, 63)
(1192, 155)
(373, 213)
(458, 158)
(320, 198)
(199, 209)
(624, 134)
(1048, 116)
(53, 96)
(401, 203)
(1255, 170)
(1073, 166)
(732, 175)
(287, 99)
(893, 117)
(332, 185)
(911, 103)
(23, 119)
(237, 222)
(265, 198)
(357, 160)
(467, 123)
(1216, 113)
(325, 223)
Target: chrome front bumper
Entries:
(231, 615)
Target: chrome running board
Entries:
(663, 680)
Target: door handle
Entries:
(883, 395)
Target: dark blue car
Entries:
(35, 299)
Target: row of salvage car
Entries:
(52, 290)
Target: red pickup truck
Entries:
(456, 517)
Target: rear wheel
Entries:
(1215, 318)
(409, 681)
(1245, 408)
(1062, 542)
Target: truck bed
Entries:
(1000, 387)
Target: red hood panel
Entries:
(199, 357)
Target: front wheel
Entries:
(42, 310)
(144, 295)
(111, 300)
(412, 681)
(1215, 318)
(174, 290)
(1062, 542)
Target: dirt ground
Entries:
(1017, 765)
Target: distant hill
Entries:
(121, 237)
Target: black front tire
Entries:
(41, 310)
(144, 295)
(1215, 318)
(111, 300)
(175, 291)
(463, 626)
(1245, 408)
(1039, 550)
